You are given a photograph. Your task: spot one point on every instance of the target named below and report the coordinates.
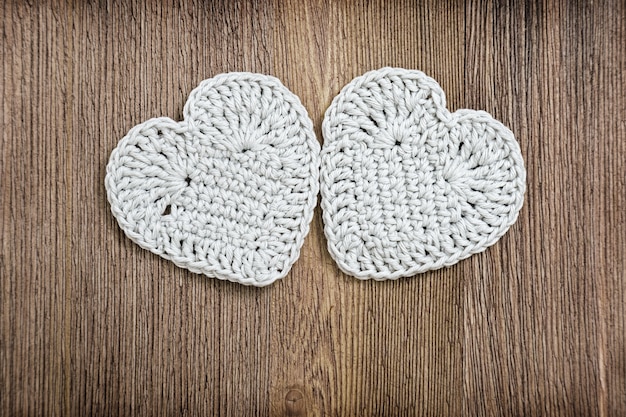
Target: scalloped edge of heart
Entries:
(443, 115)
(190, 113)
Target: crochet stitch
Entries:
(229, 192)
(406, 185)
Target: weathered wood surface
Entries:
(93, 325)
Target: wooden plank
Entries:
(91, 324)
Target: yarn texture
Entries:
(229, 192)
(408, 186)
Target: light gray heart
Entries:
(406, 185)
(229, 192)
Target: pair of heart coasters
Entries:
(230, 191)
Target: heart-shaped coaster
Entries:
(406, 185)
(229, 192)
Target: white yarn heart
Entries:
(229, 192)
(406, 185)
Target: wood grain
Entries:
(93, 325)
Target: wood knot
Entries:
(294, 402)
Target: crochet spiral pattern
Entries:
(229, 192)
(406, 185)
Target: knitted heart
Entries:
(406, 185)
(229, 192)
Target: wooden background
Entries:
(93, 325)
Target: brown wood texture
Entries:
(93, 325)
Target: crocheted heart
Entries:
(406, 185)
(229, 192)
